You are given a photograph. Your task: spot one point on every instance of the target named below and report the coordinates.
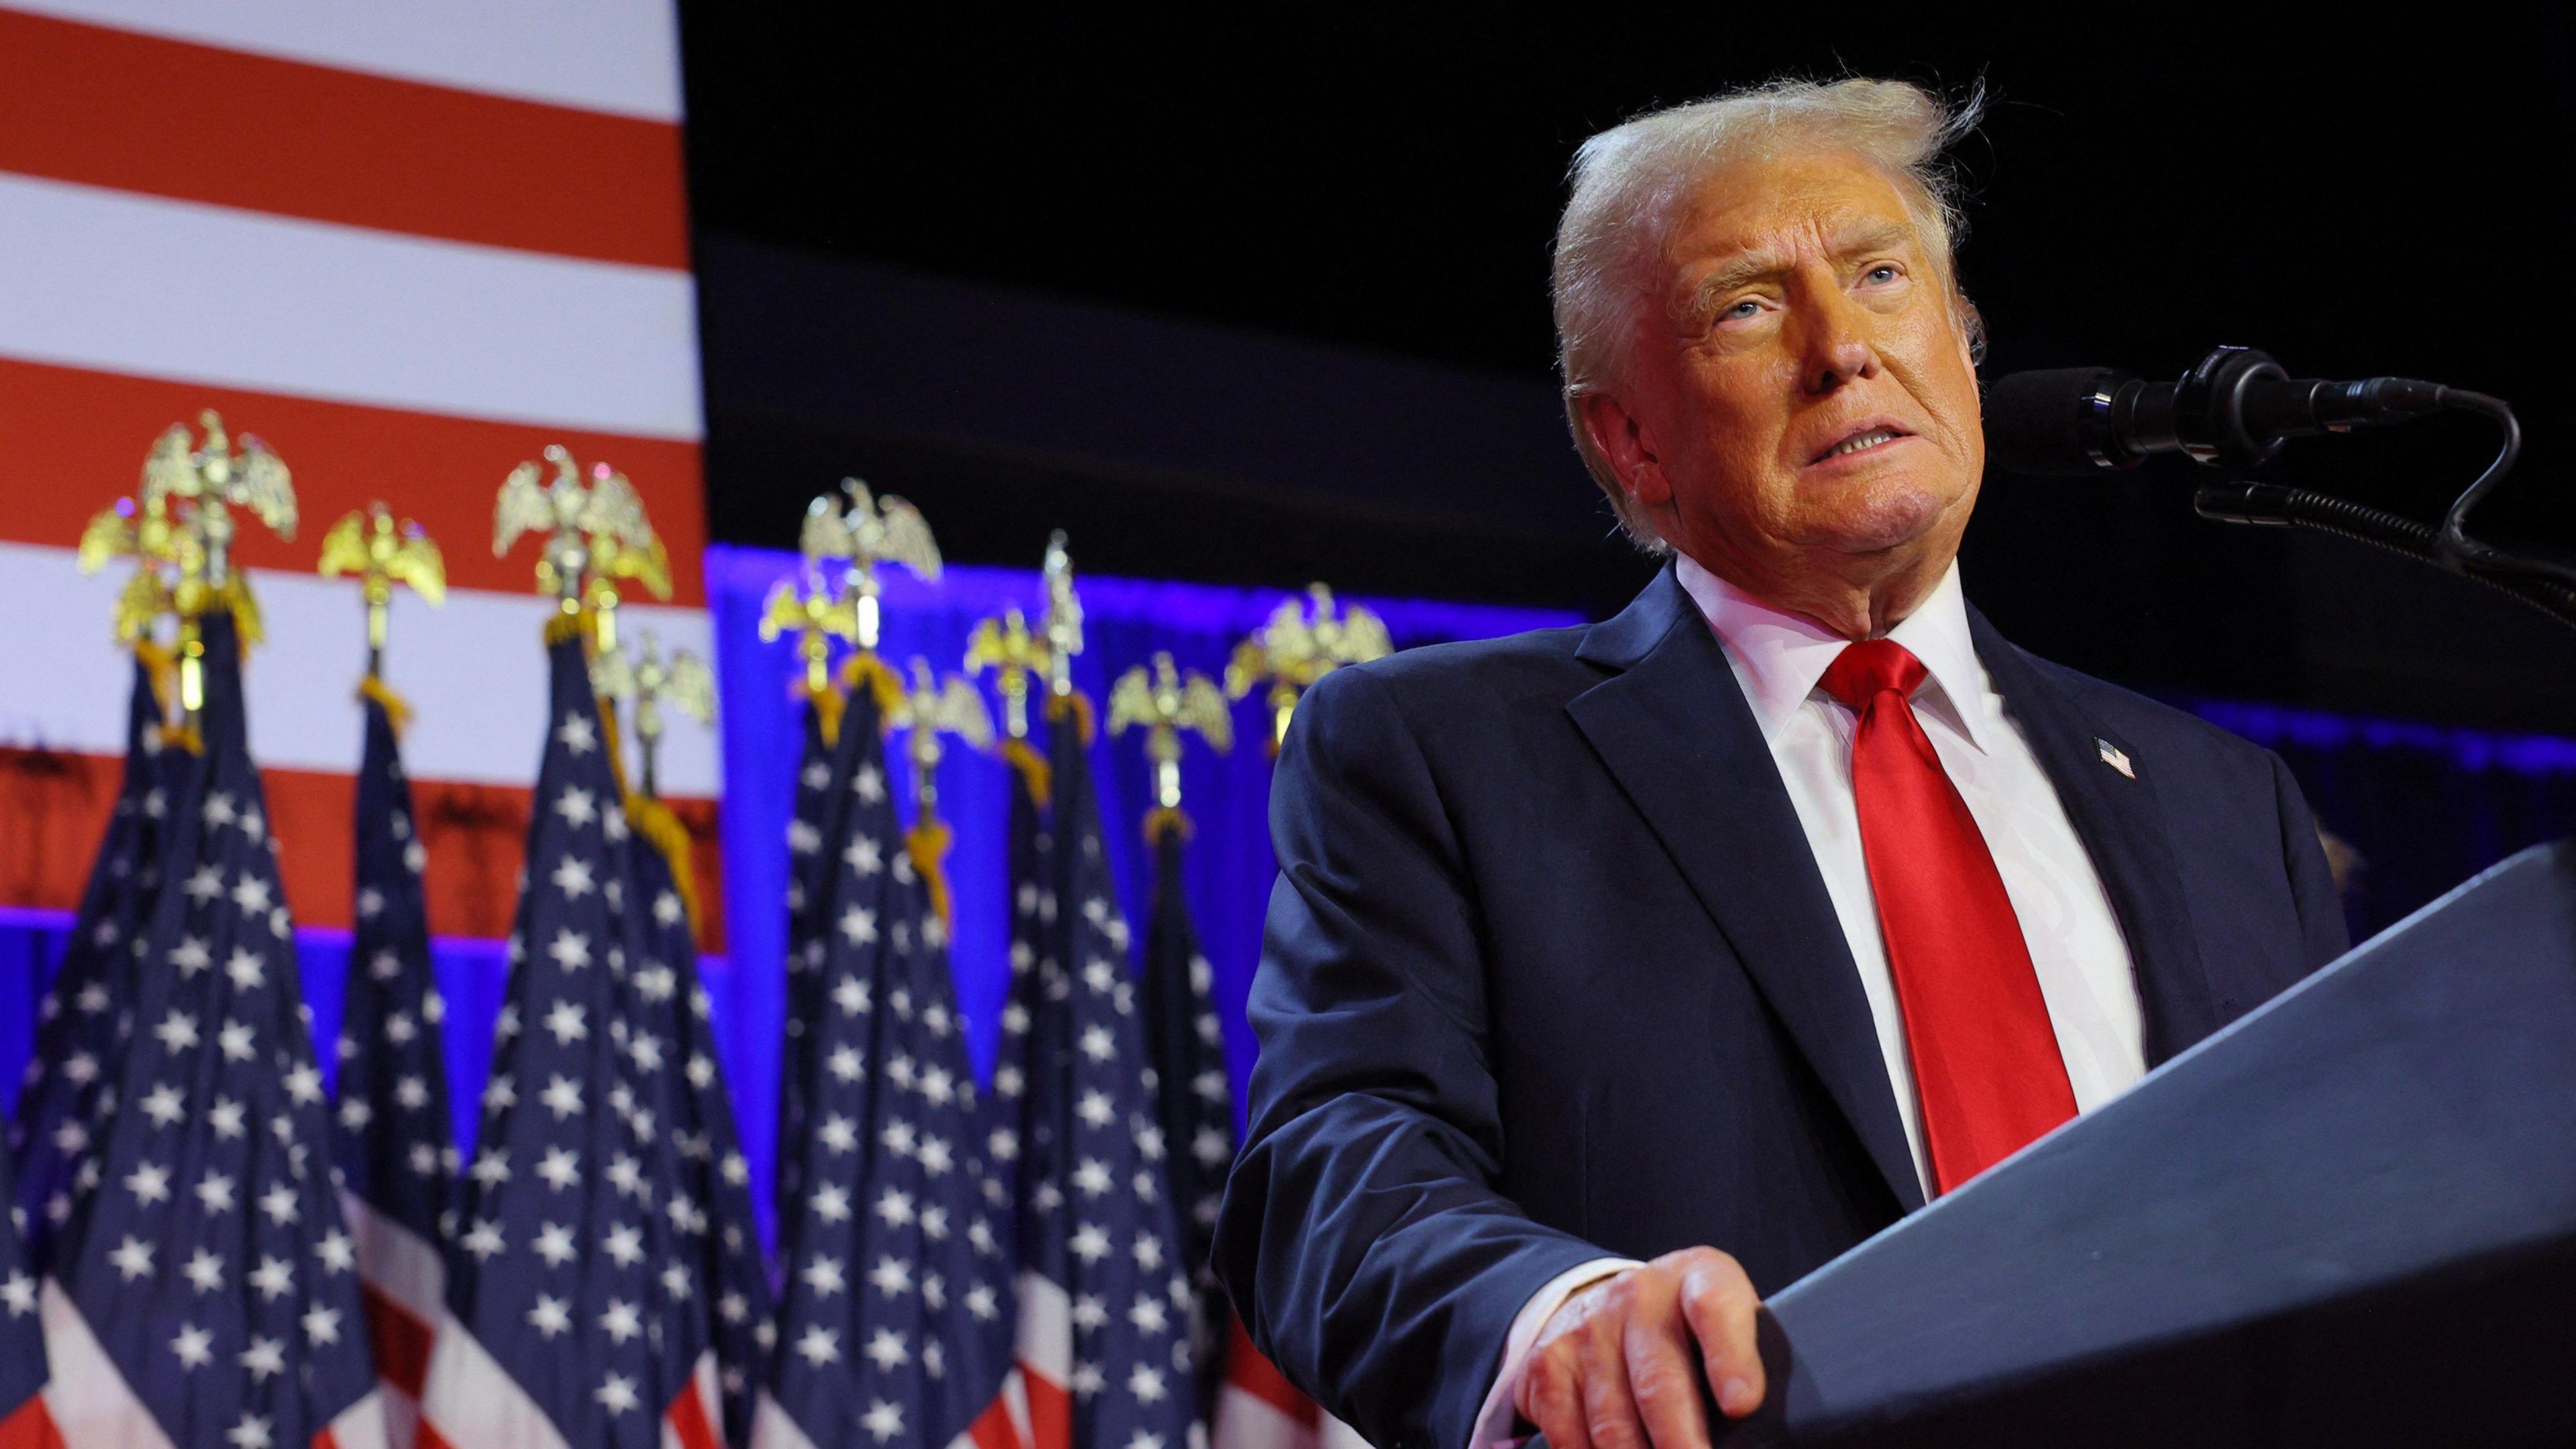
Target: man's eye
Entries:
(1743, 311)
(1883, 272)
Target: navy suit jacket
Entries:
(1550, 973)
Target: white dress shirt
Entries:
(2066, 920)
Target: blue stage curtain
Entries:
(2425, 806)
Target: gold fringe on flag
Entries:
(561, 626)
(828, 708)
(1080, 704)
(1034, 771)
(1166, 817)
(864, 667)
(397, 708)
(927, 843)
(653, 820)
(183, 737)
(159, 665)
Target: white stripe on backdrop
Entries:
(120, 282)
(619, 56)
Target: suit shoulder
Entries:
(1512, 663)
(2149, 721)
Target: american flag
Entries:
(579, 1310)
(895, 1329)
(396, 1146)
(673, 1041)
(24, 1422)
(1197, 1109)
(209, 1286)
(89, 1008)
(820, 776)
(1104, 1299)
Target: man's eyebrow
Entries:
(1761, 263)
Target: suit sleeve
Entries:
(2321, 918)
(1361, 1236)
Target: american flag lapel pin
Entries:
(2117, 759)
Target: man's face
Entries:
(1802, 387)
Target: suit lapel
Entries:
(2122, 824)
(1674, 730)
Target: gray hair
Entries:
(1632, 182)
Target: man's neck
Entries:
(1863, 607)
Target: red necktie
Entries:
(1986, 1067)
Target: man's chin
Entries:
(1893, 520)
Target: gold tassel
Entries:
(561, 626)
(1034, 771)
(927, 843)
(865, 667)
(1080, 704)
(161, 667)
(1166, 817)
(828, 708)
(397, 708)
(661, 829)
(616, 751)
(185, 737)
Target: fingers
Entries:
(1551, 1397)
(1663, 1379)
(1718, 1302)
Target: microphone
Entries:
(2233, 410)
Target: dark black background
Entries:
(2392, 198)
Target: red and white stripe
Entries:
(471, 1402)
(403, 1281)
(90, 1406)
(1257, 1408)
(1042, 1407)
(409, 246)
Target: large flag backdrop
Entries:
(409, 246)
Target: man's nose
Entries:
(1838, 347)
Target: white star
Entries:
(575, 806)
(251, 1433)
(824, 1276)
(561, 1168)
(839, 1134)
(274, 1278)
(868, 784)
(247, 970)
(1147, 1315)
(1092, 1177)
(322, 1325)
(567, 1023)
(819, 1345)
(1090, 1242)
(411, 1093)
(236, 1039)
(571, 949)
(891, 1277)
(265, 1356)
(846, 1063)
(562, 1096)
(178, 1032)
(830, 1203)
(551, 1316)
(280, 1205)
(1094, 1109)
(164, 1105)
(1088, 1312)
(884, 1420)
(864, 856)
(626, 1245)
(577, 735)
(484, 1240)
(148, 1183)
(555, 1244)
(190, 956)
(1146, 1384)
(886, 1350)
(132, 1259)
(622, 1320)
(371, 903)
(895, 1208)
(338, 1255)
(215, 1191)
(206, 883)
(304, 1083)
(250, 893)
(983, 1302)
(859, 925)
(617, 1394)
(195, 1346)
(226, 1118)
(205, 1272)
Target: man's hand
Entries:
(1616, 1366)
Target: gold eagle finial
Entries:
(647, 682)
(1297, 648)
(595, 535)
(383, 551)
(1165, 701)
(871, 532)
(1005, 645)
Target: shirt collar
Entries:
(1780, 656)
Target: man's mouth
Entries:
(1862, 441)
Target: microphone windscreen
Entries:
(2034, 421)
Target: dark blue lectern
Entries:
(2348, 1219)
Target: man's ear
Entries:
(1972, 329)
(1622, 440)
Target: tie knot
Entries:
(1862, 670)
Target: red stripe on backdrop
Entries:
(57, 805)
(687, 1418)
(136, 112)
(76, 441)
(401, 1342)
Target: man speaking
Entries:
(1618, 976)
